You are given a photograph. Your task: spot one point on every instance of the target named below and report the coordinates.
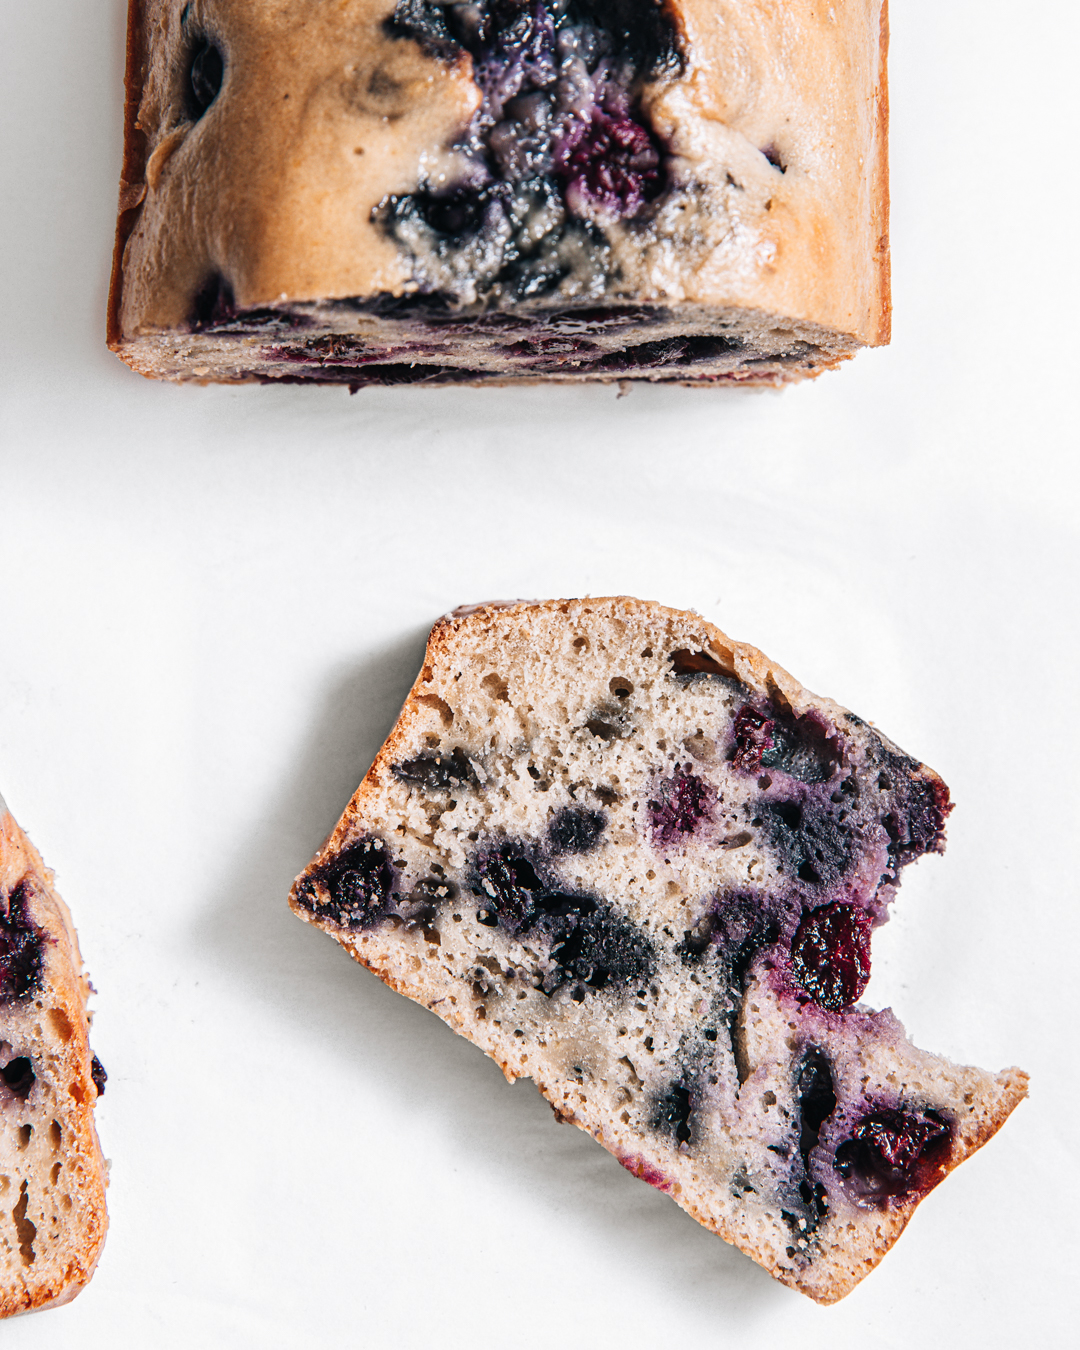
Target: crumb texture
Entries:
(52, 1174)
(639, 863)
(419, 191)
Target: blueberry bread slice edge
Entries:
(53, 1218)
(640, 863)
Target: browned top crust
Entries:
(322, 115)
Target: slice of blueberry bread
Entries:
(426, 191)
(52, 1174)
(639, 863)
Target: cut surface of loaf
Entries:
(639, 863)
(418, 191)
(52, 1174)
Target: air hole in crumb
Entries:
(769, 1099)
(580, 644)
(647, 652)
(620, 687)
(54, 1174)
(495, 687)
(56, 1134)
(61, 1023)
(439, 705)
(25, 1230)
(25, 1131)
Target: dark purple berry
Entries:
(98, 1074)
(737, 930)
(830, 955)
(671, 1115)
(437, 772)
(919, 805)
(802, 747)
(610, 166)
(809, 838)
(682, 803)
(21, 954)
(753, 736)
(507, 890)
(893, 1153)
(575, 830)
(590, 946)
(18, 1075)
(352, 889)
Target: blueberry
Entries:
(672, 1111)
(205, 76)
(917, 808)
(801, 747)
(611, 165)
(590, 945)
(830, 955)
(893, 1153)
(753, 733)
(682, 803)
(21, 952)
(98, 1074)
(809, 839)
(556, 142)
(437, 772)
(575, 830)
(507, 888)
(816, 1098)
(352, 889)
(19, 1076)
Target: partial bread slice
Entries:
(638, 862)
(52, 1174)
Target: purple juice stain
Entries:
(682, 804)
(21, 947)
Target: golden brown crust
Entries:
(54, 1024)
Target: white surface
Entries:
(214, 601)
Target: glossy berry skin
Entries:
(830, 955)
(893, 1153)
(753, 736)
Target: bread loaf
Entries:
(638, 862)
(419, 191)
